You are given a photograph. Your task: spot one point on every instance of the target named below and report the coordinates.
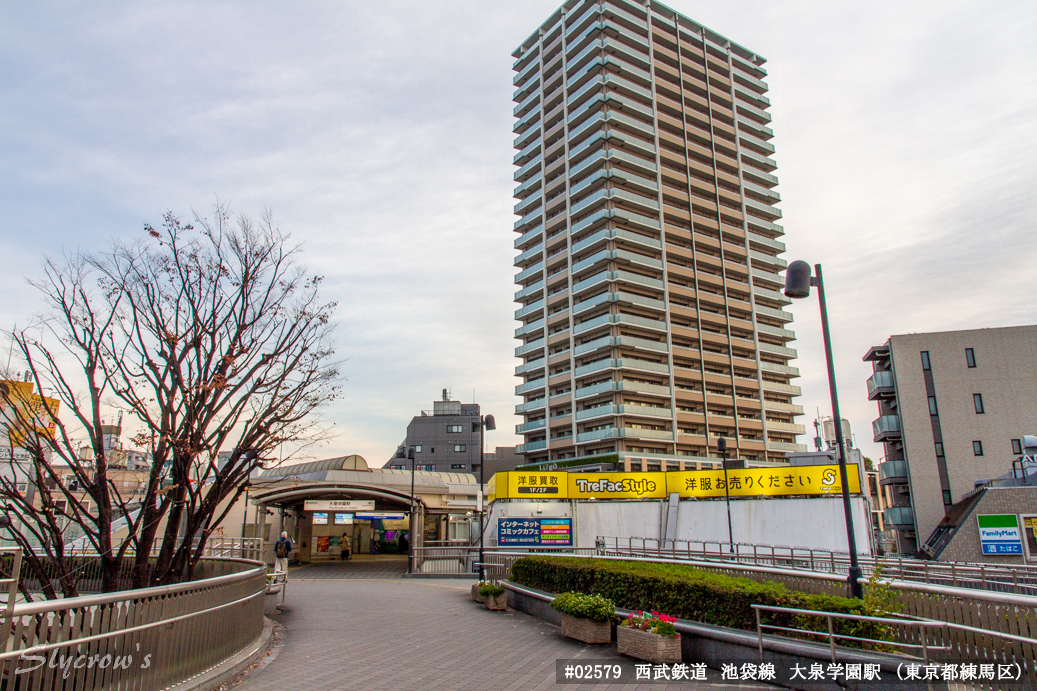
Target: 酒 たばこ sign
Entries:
(1000, 534)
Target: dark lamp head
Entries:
(797, 280)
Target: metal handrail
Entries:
(12, 591)
(245, 547)
(125, 631)
(185, 629)
(1021, 579)
(26, 608)
(833, 636)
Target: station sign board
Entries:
(338, 505)
(544, 532)
(381, 515)
(1000, 534)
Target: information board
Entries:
(548, 532)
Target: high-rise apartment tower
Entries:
(652, 317)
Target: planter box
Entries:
(586, 630)
(648, 646)
(475, 593)
(498, 602)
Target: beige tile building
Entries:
(953, 408)
(652, 320)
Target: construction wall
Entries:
(815, 523)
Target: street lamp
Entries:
(798, 282)
(722, 448)
(486, 424)
(410, 542)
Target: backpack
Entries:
(282, 549)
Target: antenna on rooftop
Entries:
(817, 430)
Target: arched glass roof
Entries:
(352, 462)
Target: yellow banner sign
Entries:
(536, 485)
(769, 482)
(748, 482)
(617, 485)
(24, 414)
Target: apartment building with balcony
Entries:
(953, 409)
(649, 295)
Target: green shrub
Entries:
(689, 593)
(490, 590)
(593, 607)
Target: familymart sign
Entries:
(1000, 534)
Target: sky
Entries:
(379, 135)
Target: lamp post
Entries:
(798, 282)
(410, 542)
(486, 424)
(722, 448)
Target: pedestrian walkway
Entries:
(374, 634)
(358, 566)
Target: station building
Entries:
(319, 502)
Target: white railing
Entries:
(146, 639)
(1019, 579)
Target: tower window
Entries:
(970, 357)
(977, 400)
(925, 361)
(977, 448)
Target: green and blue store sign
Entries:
(1000, 534)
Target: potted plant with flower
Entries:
(586, 618)
(651, 637)
(493, 596)
(476, 595)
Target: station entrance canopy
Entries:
(807, 480)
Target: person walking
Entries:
(346, 546)
(282, 548)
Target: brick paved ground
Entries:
(373, 634)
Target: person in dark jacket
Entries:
(282, 548)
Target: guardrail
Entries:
(445, 561)
(1021, 580)
(923, 645)
(981, 625)
(455, 561)
(147, 639)
(84, 568)
(497, 562)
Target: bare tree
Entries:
(212, 338)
